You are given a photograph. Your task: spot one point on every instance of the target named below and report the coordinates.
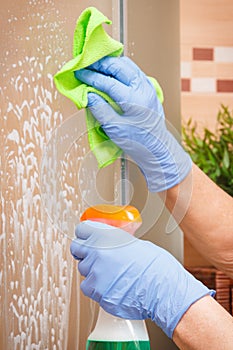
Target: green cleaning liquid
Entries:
(115, 345)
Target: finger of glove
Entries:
(98, 235)
(86, 228)
(85, 265)
(121, 68)
(101, 110)
(112, 87)
(88, 289)
(78, 249)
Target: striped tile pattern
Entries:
(210, 70)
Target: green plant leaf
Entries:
(226, 159)
(213, 152)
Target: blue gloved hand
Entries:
(141, 129)
(132, 278)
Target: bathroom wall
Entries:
(206, 42)
(206, 59)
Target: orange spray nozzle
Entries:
(126, 217)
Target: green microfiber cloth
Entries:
(91, 43)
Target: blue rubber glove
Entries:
(141, 129)
(132, 278)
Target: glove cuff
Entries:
(175, 320)
(170, 169)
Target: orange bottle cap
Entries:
(126, 217)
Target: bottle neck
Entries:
(112, 328)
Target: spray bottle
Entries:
(110, 332)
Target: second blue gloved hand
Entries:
(132, 278)
(141, 129)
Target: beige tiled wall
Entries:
(206, 59)
(206, 70)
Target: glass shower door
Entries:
(48, 177)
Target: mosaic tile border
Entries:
(218, 60)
